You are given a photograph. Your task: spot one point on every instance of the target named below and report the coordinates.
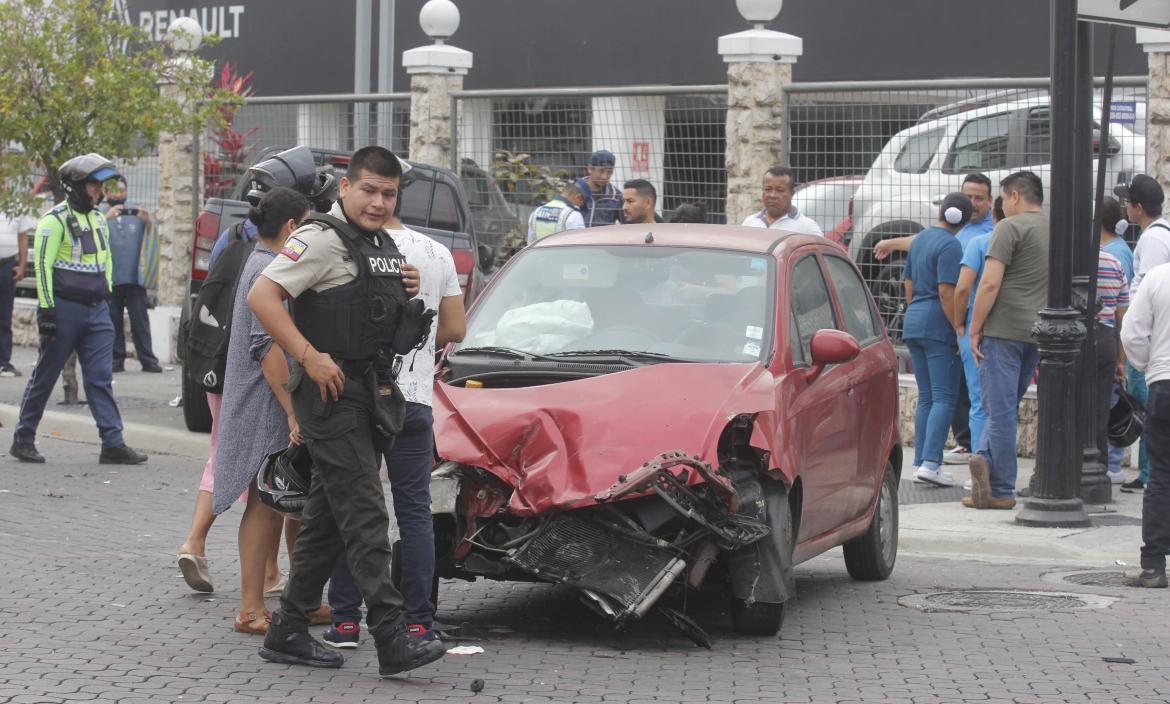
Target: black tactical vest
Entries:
(356, 320)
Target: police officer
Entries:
(352, 315)
(73, 268)
(563, 212)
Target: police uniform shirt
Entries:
(439, 280)
(793, 221)
(313, 258)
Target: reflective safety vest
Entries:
(551, 217)
(72, 255)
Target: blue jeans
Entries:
(88, 331)
(1004, 376)
(936, 369)
(409, 462)
(977, 418)
(132, 298)
(1137, 387)
(7, 300)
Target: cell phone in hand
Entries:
(129, 211)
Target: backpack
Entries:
(211, 315)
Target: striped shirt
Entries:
(1112, 288)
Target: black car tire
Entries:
(396, 573)
(759, 619)
(196, 412)
(871, 556)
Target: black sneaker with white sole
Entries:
(343, 635)
(7, 370)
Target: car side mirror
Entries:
(487, 257)
(830, 347)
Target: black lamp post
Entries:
(1060, 331)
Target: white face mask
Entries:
(1122, 226)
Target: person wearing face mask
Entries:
(134, 251)
(74, 270)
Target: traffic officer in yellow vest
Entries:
(563, 212)
(72, 256)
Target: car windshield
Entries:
(698, 305)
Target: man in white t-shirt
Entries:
(779, 213)
(411, 458)
(14, 232)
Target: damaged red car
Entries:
(641, 410)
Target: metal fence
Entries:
(515, 149)
(327, 123)
(876, 158)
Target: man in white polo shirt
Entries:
(14, 232)
(778, 212)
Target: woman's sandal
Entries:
(252, 623)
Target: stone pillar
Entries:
(436, 72)
(759, 65)
(1156, 42)
(177, 204)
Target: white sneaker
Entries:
(937, 477)
(958, 455)
(967, 485)
(1117, 477)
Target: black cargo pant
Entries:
(1156, 502)
(346, 509)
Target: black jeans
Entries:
(960, 424)
(1156, 502)
(132, 298)
(346, 510)
(1106, 374)
(409, 463)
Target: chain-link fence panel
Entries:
(333, 126)
(515, 150)
(875, 160)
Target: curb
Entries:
(150, 439)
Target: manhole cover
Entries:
(991, 600)
(1088, 578)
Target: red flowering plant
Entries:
(228, 148)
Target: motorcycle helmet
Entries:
(293, 168)
(80, 169)
(284, 479)
(1127, 420)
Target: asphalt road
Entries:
(93, 608)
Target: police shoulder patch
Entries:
(294, 247)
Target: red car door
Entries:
(820, 413)
(872, 379)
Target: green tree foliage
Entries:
(527, 184)
(75, 78)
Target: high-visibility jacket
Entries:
(554, 216)
(72, 257)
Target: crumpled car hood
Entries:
(559, 444)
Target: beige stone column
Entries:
(436, 72)
(1156, 42)
(174, 216)
(759, 66)
(431, 128)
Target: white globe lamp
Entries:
(439, 19)
(759, 12)
(185, 34)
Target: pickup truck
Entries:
(433, 202)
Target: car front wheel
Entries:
(871, 556)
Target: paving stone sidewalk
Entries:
(93, 608)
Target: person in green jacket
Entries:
(73, 268)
